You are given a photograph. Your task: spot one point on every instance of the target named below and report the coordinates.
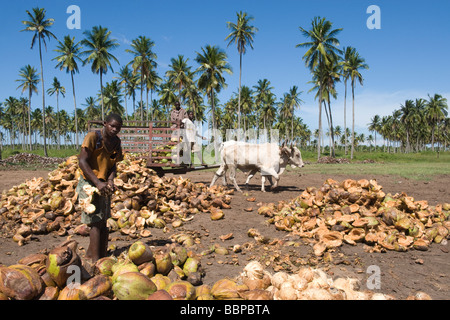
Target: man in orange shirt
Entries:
(100, 152)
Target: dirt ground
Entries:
(402, 273)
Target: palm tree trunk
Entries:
(101, 94)
(57, 118)
(345, 117)
(126, 108)
(333, 154)
(75, 108)
(43, 99)
(320, 123)
(142, 100)
(353, 119)
(239, 98)
(29, 118)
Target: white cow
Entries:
(267, 158)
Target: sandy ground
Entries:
(401, 273)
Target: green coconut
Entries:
(178, 255)
(104, 265)
(124, 268)
(133, 286)
(139, 253)
(191, 265)
(163, 262)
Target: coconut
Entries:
(69, 293)
(133, 286)
(139, 252)
(122, 269)
(160, 295)
(225, 289)
(316, 294)
(286, 292)
(104, 265)
(50, 293)
(256, 294)
(147, 268)
(178, 255)
(59, 260)
(20, 282)
(160, 281)
(181, 290)
(191, 265)
(216, 214)
(279, 278)
(96, 286)
(163, 262)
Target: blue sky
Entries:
(408, 56)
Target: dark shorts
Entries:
(102, 205)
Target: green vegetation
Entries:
(57, 153)
(418, 166)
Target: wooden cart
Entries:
(154, 140)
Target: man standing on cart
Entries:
(177, 115)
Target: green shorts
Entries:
(102, 204)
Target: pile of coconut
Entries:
(359, 211)
(307, 284)
(142, 201)
(170, 273)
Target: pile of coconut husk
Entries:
(142, 200)
(360, 212)
(30, 159)
(171, 273)
(328, 160)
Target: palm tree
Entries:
(152, 81)
(92, 111)
(242, 34)
(99, 44)
(246, 105)
(322, 50)
(194, 99)
(113, 98)
(167, 95)
(213, 64)
(348, 52)
(124, 76)
(355, 63)
(262, 92)
(374, 126)
(28, 82)
(436, 111)
(39, 25)
(179, 74)
(407, 110)
(293, 104)
(143, 61)
(69, 55)
(58, 89)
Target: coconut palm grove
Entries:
(31, 117)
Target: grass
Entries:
(418, 166)
(61, 153)
(416, 171)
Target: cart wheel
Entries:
(159, 171)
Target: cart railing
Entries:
(154, 140)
